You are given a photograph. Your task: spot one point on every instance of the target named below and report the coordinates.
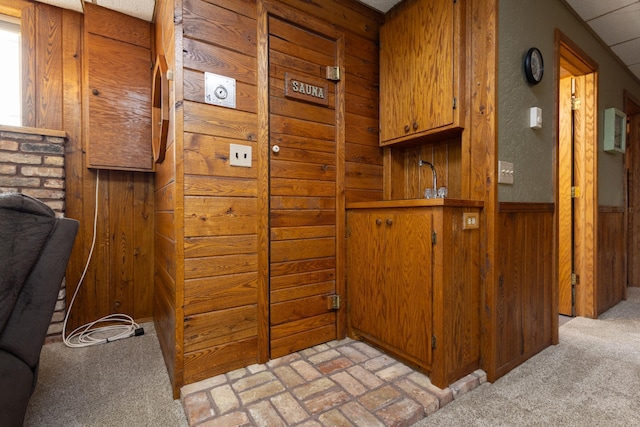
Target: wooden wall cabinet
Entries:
(413, 283)
(118, 91)
(421, 67)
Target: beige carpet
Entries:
(123, 383)
(592, 378)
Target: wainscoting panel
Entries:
(525, 277)
(612, 272)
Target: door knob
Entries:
(275, 148)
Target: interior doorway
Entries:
(632, 166)
(576, 180)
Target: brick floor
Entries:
(340, 383)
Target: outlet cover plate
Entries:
(470, 220)
(240, 155)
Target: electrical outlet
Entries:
(505, 172)
(470, 220)
(240, 155)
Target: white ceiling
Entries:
(142, 9)
(616, 22)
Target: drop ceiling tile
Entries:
(628, 52)
(618, 26)
(142, 9)
(589, 9)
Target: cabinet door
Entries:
(408, 286)
(419, 70)
(434, 89)
(389, 281)
(118, 61)
(397, 56)
(364, 273)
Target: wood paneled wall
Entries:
(612, 272)
(119, 278)
(408, 180)
(207, 212)
(168, 197)
(524, 305)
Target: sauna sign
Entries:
(306, 89)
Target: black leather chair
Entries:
(34, 251)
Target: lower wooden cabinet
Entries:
(413, 283)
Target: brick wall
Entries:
(32, 162)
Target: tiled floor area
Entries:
(341, 383)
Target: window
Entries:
(10, 86)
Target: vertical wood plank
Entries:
(122, 241)
(28, 37)
(263, 182)
(48, 67)
(72, 111)
(143, 242)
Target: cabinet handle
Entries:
(378, 221)
(415, 125)
(389, 221)
(407, 128)
(96, 92)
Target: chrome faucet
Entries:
(435, 185)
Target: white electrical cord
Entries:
(119, 325)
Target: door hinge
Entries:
(575, 192)
(575, 279)
(334, 302)
(433, 342)
(455, 103)
(333, 73)
(434, 237)
(575, 103)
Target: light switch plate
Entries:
(505, 172)
(240, 155)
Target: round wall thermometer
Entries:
(533, 66)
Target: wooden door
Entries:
(302, 132)
(565, 215)
(580, 235)
(632, 159)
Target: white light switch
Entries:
(240, 155)
(505, 172)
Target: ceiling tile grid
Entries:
(617, 23)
